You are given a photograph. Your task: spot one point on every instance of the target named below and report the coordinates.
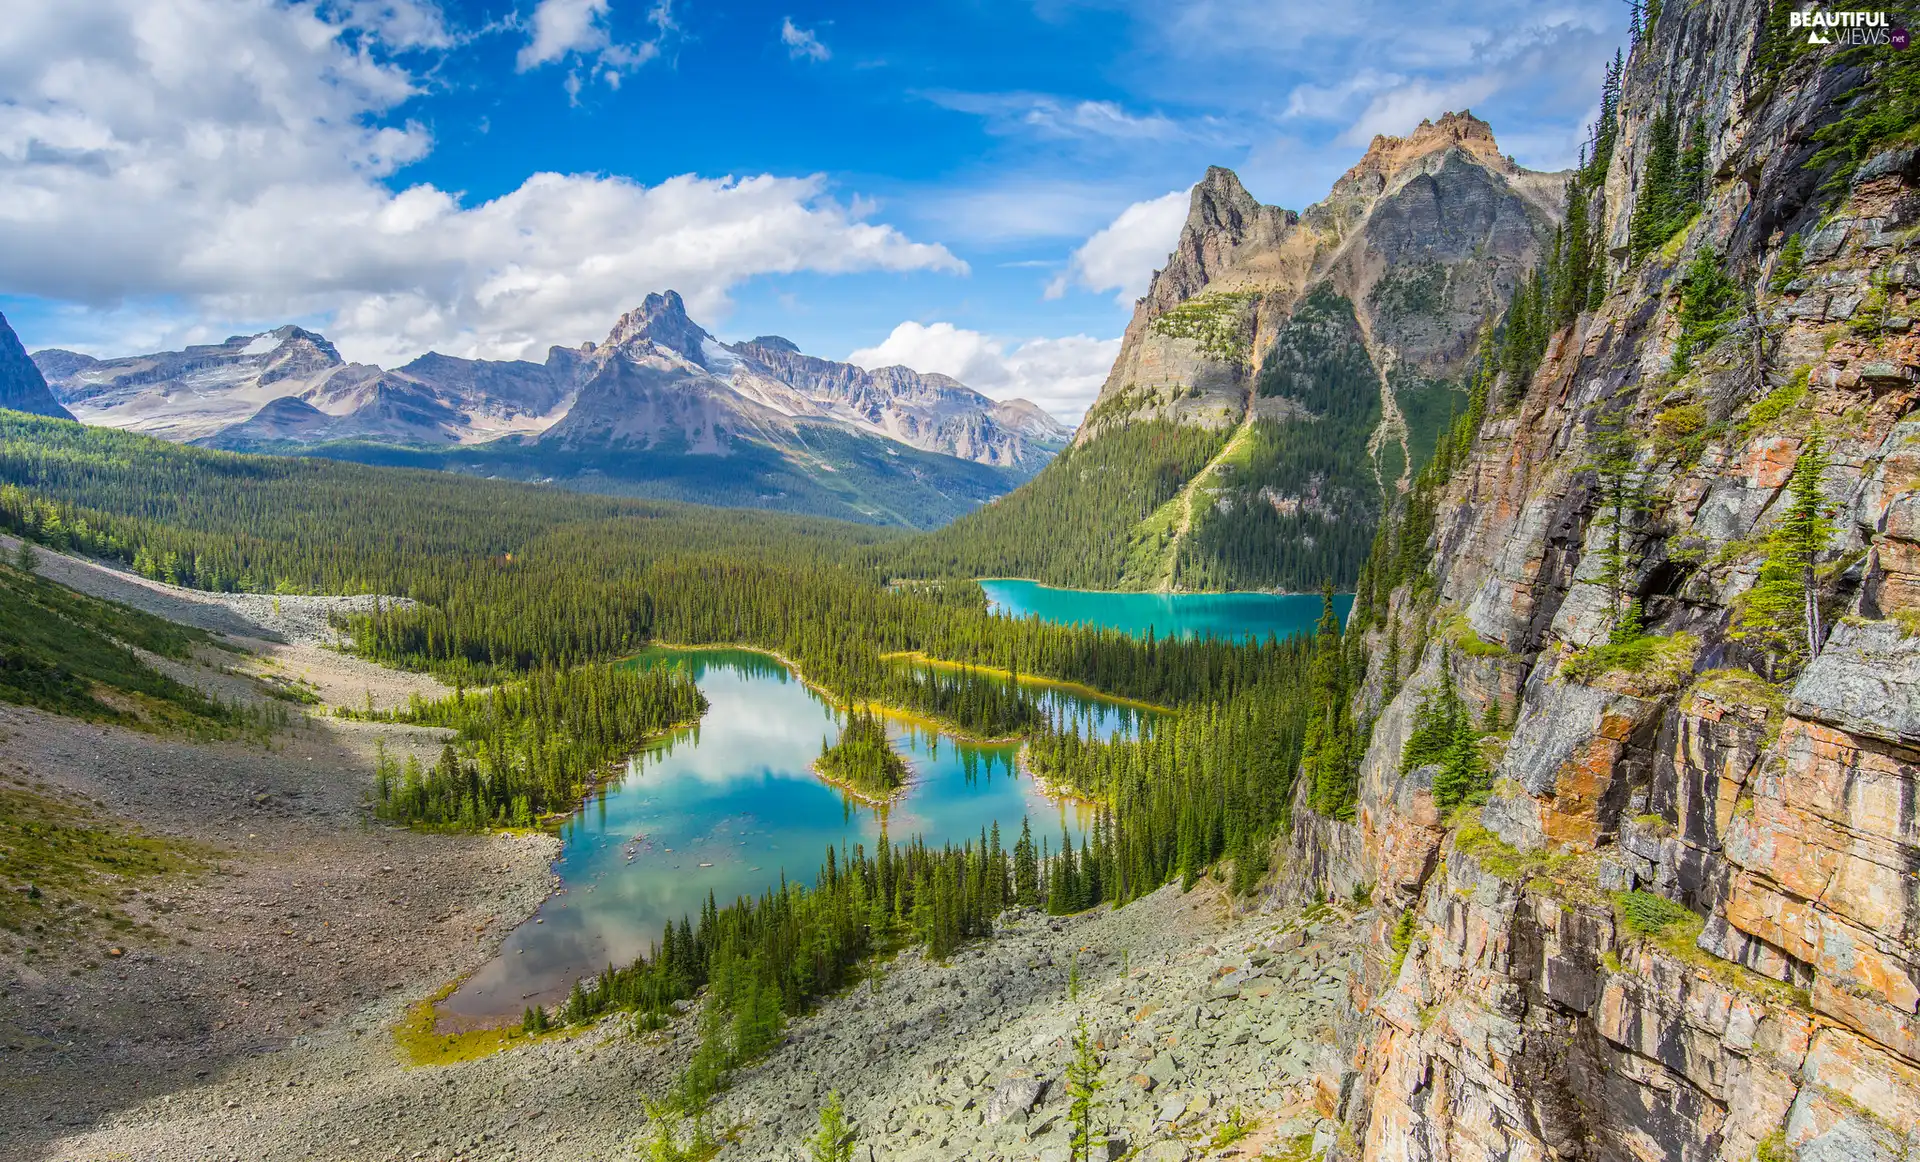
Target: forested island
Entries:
(862, 761)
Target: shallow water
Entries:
(1239, 616)
(727, 806)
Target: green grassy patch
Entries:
(1664, 660)
(1768, 411)
(420, 1043)
(62, 870)
(67, 653)
(1470, 643)
(1737, 687)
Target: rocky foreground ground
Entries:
(246, 1011)
(1204, 1023)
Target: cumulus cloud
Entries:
(578, 29)
(801, 43)
(1061, 375)
(1123, 255)
(251, 184)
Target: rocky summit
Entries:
(21, 386)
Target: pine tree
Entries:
(1083, 1093)
(1781, 613)
(1026, 868)
(835, 1139)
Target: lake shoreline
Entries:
(1154, 592)
(1080, 688)
(912, 717)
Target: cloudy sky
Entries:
(966, 186)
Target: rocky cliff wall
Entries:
(1684, 922)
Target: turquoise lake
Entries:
(728, 805)
(1239, 616)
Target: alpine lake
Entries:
(730, 806)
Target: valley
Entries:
(1452, 699)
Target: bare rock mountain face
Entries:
(1286, 374)
(1680, 920)
(21, 387)
(661, 377)
(823, 436)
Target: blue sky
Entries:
(975, 187)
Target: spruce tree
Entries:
(1083, 1093)
(835, 1139)
(1781, 613)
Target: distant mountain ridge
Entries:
(660, 408)
(212, 393)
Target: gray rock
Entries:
(1827, 241)
(1866, 680)
(1015, 1095)
(1166, 1150)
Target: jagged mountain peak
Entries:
(1388, 156)
(661, 319)
(1220, 202)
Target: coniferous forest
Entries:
(533, 593)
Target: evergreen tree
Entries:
(1781, 613)
(1083, 1094)
(1026, 867)
(834, 1141)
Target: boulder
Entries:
(1015, 1095)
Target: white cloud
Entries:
(137, 167)
(1396, 111)
(1051, 116)
(578, 28)
(1061, 375)
(1123, 256)
(801, 42)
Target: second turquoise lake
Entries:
(1238, 616)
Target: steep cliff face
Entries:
(21, 387)
(1424, 234)
(1404, 259)
(1682, 918)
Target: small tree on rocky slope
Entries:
(1781, 614)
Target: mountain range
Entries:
(660, 408)
(1285, 375)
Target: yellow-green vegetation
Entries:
(1769, 409)
(1401, 941)
(1680, 428)
(1675, 930)
(1738, 687)
(1298, 1148)
(1498, 859)
(63, 869)
(1155, 544)
(71, 654)
(1657, 660)
(420, 1043)
(1470, 643)
(1237, 1126)
(1217, 322)
(1773, 1148)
